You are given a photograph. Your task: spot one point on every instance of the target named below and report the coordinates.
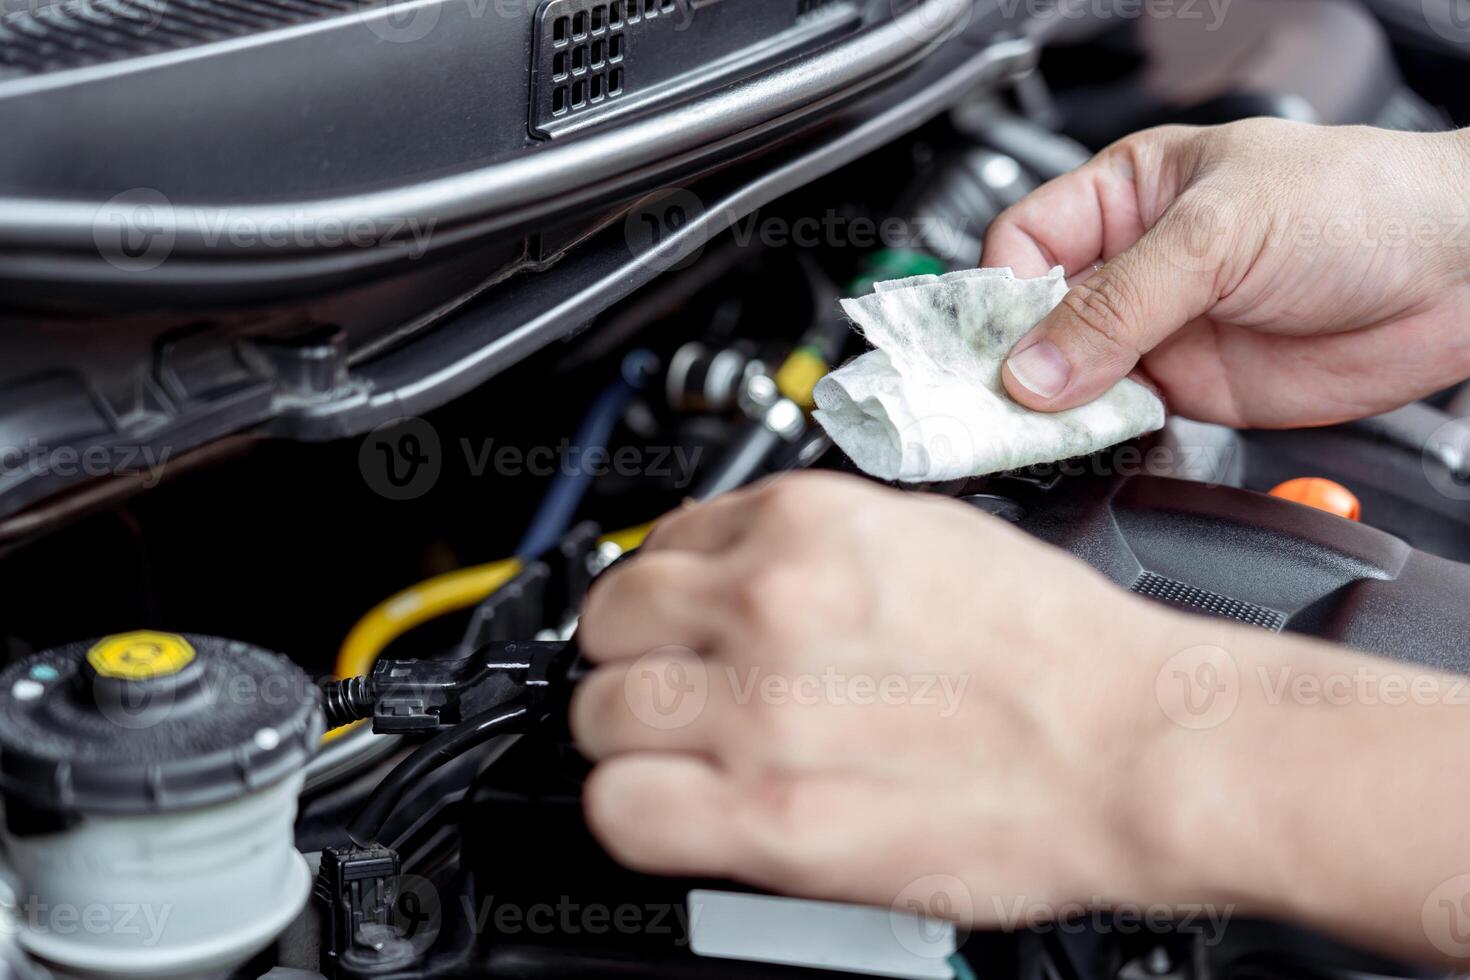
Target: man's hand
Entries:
(833, 689)
(829, 688)
(1263, 273)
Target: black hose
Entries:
(348, 700)
(476, 730)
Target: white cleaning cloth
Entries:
(928, 403)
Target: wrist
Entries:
(1210, 786)
(1447, 205)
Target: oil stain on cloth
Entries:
(928, 404)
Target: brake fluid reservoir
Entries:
(149, 783)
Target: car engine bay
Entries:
(293, 548)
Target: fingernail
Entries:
(1042, 368)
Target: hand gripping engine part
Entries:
(154, 777)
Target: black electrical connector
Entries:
(410, 697)
(503, 688)
(359, 888)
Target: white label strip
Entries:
(826, 935)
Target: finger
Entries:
(708, 526)
(839, 837)
(1103, 325)
(655, 600)
(665, 814)
(1072, 221)
(660, 702)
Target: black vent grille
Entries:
(1176, 593)
(76, 33)
(582, 54)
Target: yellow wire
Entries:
(417, 604)
(435, 597)
(465, 587)
(628, 538)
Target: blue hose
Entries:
(568, 487)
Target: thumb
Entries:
(1105, 323)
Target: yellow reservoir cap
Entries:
(799, 374)
(140, 655)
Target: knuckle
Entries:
(799, 503)
(605, 818)
(787, 501)
(1139, 152)
(796, 835)
(1194, 209)
(790, 813)
(654, 583)
(766, 597)
(1156, 139)
(665, 528)
(663, 591)
(1102, 307)
(788, 729)
(611, 592)
(1007, 218)
(588, 709)
(596, 612)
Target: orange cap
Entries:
(1323, 494)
